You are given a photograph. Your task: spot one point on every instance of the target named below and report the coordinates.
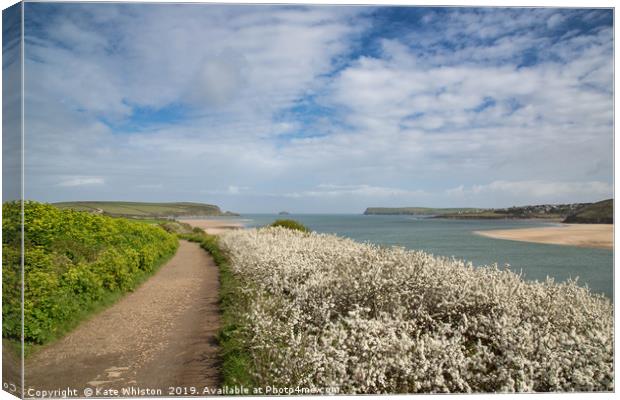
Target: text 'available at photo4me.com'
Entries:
(136, 391)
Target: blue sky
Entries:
(318, 109)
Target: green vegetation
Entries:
(543, 211)
(290, 224)
(602, 212)
(75, 263)
(416, 210)
(177, 227)
(143, 210)
(597, 213)
(233, 301)
(171, 225)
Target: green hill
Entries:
(143, 210)
(597, 213)
(540, 211)
(601, 212)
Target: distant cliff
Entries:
(601, 212)
(416, 210)
(597, 213)
(540, 211)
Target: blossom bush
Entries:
(328, 311)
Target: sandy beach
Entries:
(599, 236)
(215, 226)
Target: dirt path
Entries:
(160, 336)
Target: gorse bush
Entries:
(328, 311)
(73, 261)
(290, 224)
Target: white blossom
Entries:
(328, 311)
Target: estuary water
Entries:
(454, 238)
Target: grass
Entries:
(236, 363)
(142, 209)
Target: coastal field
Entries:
(142, 209)
(324, 312)
(599, 236)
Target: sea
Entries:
(455, 238)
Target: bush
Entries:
(290, 224)
(326, 311)
(73, 262)
(176, 227)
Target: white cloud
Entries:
(232, 190)
(549, 121)
(401, 122)
(539, 189)
(555, 20)
(152, 186)
(219, 79)
(524, 192)
(329, 190)
(82, 181)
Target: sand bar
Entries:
(215, 226)
(599, 236)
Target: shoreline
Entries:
(595, 236)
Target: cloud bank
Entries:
(318, 109)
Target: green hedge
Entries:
(74, 262)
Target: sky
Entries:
(11, 103)
(318, 109)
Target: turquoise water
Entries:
(454, 238)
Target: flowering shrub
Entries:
(73, 261)
(290, 224)
(329, 311)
